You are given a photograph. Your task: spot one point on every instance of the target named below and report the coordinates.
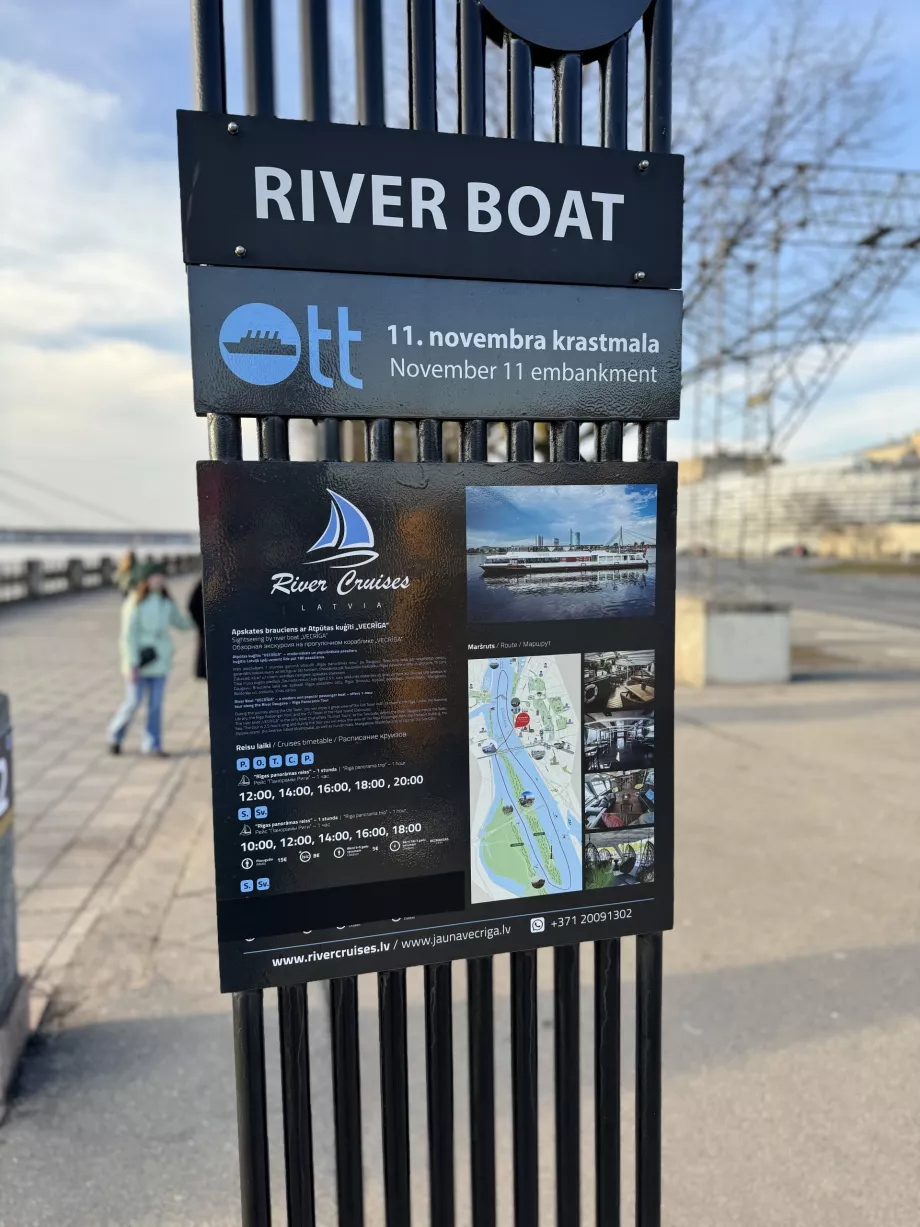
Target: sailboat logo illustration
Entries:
(348, 537)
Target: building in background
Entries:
(864, 505)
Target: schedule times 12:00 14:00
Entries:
(307, 790)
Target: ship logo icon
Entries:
(259, 344)
(255, 342)
(348, 538)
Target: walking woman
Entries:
(146, 659)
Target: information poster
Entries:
(441, 707)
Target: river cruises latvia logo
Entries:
(348, 539)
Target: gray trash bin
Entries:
(14, 997)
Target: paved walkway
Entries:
(792, 1025)
(81, 814)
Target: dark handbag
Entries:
(147, 657)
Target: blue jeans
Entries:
(134, 696)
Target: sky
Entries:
(516, 515)
(94, 333)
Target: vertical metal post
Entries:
(614, 66)
(658, 26)
(568, 1087)
(378, 439)
(440, 1083)
(332, 439)
(563, 441)
(314, 45)
(607, 1082)
(481, 1039)
(346, 1095)
(430, 437)
(471, 120)
(394, 1096)
(423, 106)
(294, 1036)
(208, 68)
(225, 437)
(524, 1087)
(471, 69)
(273, 439)
(259, 56)
(567, 100)
(369, 49)
(252, 1126)
(649, 957)
(609, 440)
(519, 62)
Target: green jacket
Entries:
(145, 624)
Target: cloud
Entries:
(93, 315)
(515, 515)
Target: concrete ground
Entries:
(792, 993)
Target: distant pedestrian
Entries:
(196, 613)
(128, 573)
(146, 659)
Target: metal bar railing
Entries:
(524, 1083)
(294, 1038)
(439, 1069)
(259, 58)
(314, 48)
(607, 1082)
(346, 1099)
(252, 1125)
(394, 1096)
(481, 1042)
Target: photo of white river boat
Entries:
(560, 552)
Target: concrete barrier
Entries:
(14, 991)
(731, 642)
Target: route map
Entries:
(525, 776)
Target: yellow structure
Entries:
(868, 541)
(904, 451)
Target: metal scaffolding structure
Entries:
(788, 265)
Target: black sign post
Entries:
(441, 694)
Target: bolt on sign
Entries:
(441, 695)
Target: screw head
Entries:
(241, 251)
(640, 276)
(233, 128)
(644, 164)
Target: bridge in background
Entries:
(129, 538)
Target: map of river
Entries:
(525, 776)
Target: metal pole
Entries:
(423, 105)
(394, 1096)
(658, 27)
(346, 1096)
(440, 1083)
(482, 1090)
(369, 48)
(524, 1087)
(614, 66)
(568, 1088)
(252, 1126)
(259, 57)
(607, 1082)
(314, 44)
(294, 1037)
(273, 438)
(649, 951)
(208, 69)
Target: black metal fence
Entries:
(565, 442)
